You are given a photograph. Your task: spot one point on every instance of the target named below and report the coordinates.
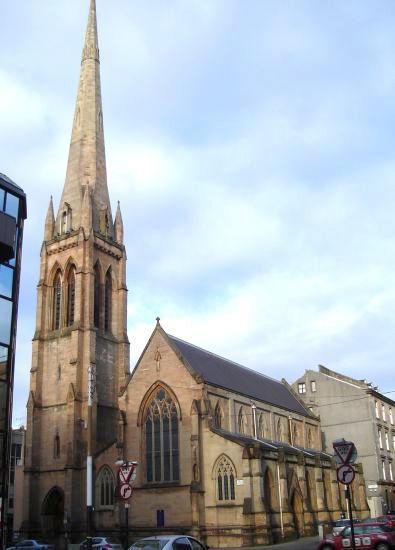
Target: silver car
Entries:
(102, 543)
(168, 542)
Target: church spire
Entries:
(86, 167)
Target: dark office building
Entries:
(12, 216)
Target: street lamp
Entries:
(127, 473)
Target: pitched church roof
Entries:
(223, 373)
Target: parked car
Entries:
(369, 536)
(30, 544)
(340, 524)
(389, 519)
(168, 542)
(102, 543)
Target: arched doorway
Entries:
(52, 513)
(298, 513)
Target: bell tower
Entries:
(81, 320)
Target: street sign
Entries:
(125, 472)
(345, 451)
(345, 474)
(125, 491)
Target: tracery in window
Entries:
(242, 421)
(225, 479)
(108, 301)
(70, 297)
(96, 297)
(57, 301)
(105, 488)
(161, 438)
(218, 416)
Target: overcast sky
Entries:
(251, 145)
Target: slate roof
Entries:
(269, 445)
(223, 373)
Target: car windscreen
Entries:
(149, 544)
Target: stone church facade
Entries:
(224, 453)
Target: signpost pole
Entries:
(126, 525)
(348, 497)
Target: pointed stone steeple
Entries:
(118, 226)
(49, 222)
(86, 166)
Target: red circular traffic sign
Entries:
(125, 491)
(345, 474)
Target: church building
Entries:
(225, 453)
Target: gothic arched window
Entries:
(70, 297)
(56, 446)
(57, 301)
(242, 421)
(105, 488)
(107, 301)
(96, 298)
(225, 479)
(261, 426)
(218, 416)
(161, 438)
(280, 430)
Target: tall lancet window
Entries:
(96, 298)
(108, 301)
(161, 439)
(225, 477)
(57, 301)
(70, 297)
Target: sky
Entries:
(251, 146)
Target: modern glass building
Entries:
(12, 216)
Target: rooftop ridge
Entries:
(225, 359)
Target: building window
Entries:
(391, 473)
(225, 480)
(161, 438)
(383, 467)
(376, 406)
(391, 417)
(310, 442)
(107, 301)
(57, 301)
(218, 416)
(380, 439)
(242, 421)
(393, 441)
(56, 446)
(383, 411)
(261, 426)
(302, 387)
(96, 298)
(70, 297)
(387, 442)
(280, 430)
(313, 386)
(105, 488)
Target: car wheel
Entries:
(382, 546)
